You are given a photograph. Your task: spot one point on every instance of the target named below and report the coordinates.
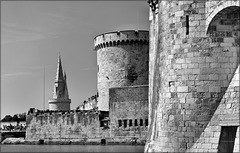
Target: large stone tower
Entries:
(60, 99)
(122, 59)
(194, 76)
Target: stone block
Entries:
(184, 66)
(229, 40)
(188, 71)
(226, 44)
(202, 89)
(207, 146)
(214, 89)
(180, 60)
(179, 13)
(196, 71)
(213, 77)
(211, 59)
(214, 65)
(193, 65)
(203, 77)
(182, 89)
(194, 23)
(189, 55)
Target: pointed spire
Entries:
(66, 95)
(60, 99)
(59, 76)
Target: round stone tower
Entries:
(122, 59)
(194, 56)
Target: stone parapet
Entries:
(121, 37)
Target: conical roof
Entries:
(59, 76)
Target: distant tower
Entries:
(60, 99)
(122, 59)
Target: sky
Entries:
(33, 33)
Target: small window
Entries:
(187, 24)
(130, 122)
(141, 122)
(125, 123)
(119, 123)
(146, 122)
(136, 122)
(227, 138)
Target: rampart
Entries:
(129, 113)
(65, 127)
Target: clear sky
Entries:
(34, 32)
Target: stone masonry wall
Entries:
(81, 126)
(122, 59)
(190, 71)
(227, 114)
(129, 113)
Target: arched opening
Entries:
(225, 23)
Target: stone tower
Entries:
(122, 59)
(194, 76)
(60, 99)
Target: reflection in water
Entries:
(71, 148)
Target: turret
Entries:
(60, 99)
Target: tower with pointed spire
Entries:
(60, 100)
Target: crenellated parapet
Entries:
(128, 37)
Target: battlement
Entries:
(121, 38)
(37, 112)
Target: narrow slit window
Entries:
(119, 123)
(136, 122)
(125, 123)
(146, 122)
(227, 138)
(141, 122)
(130, 122)
(187, 24)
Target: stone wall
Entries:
(122, 59)
(129, 113)
(191, 66)
(227, 114)
(74, 126)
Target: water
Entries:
(71, 148)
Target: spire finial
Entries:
(59, 75)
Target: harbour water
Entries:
(72, 148)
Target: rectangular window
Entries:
(141, 122)
(135, 122)
(130, 122)
(227, 138)
(119, 123)
(146, 122)
(187, 24)
(125, 123)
